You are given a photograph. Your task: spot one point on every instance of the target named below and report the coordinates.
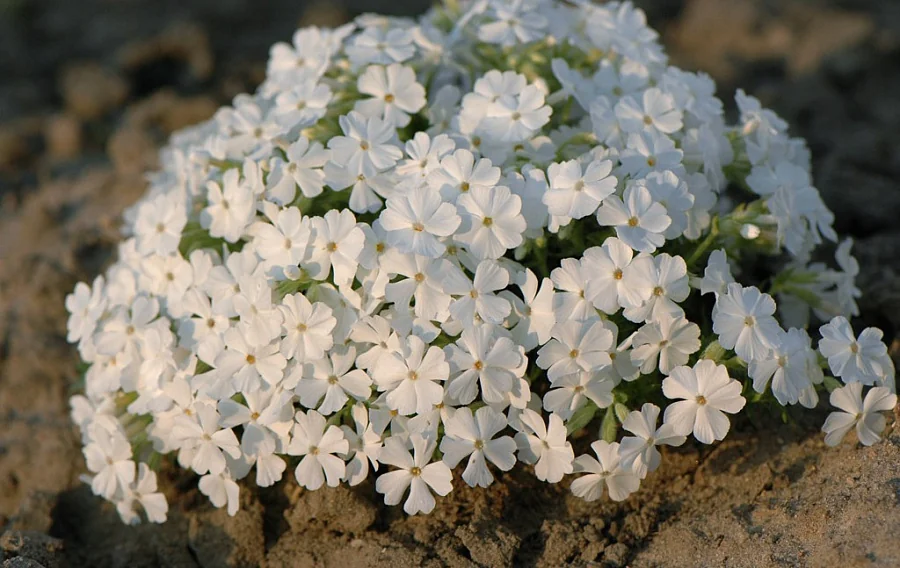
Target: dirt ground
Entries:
(91, 88)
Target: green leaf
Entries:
(621, 411)
(714, 352)
(831, 384)
(582, 417)
(609, 428)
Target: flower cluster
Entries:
(461, 240)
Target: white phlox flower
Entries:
(707, 393)
(474, 436)
(415, 472)
(606, 471)
(545, 446)
(854, 411)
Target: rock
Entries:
(90, 91)
(324, 13)
(490, 545)
(62, 133)
(183, 42)
(13, 145)
(19, 562)
(35, 512)
(329, 506)
(218, 539)
(825, 32)
(170, 112)
(34, 547)
(616, 555)
(132, 151)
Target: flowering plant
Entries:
(465, 238)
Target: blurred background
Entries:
(89, 89)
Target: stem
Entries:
(707, 242)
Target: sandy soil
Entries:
(88, 95)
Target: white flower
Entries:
(143, 492)
(853, 359)
(231, 207)
(483, 357)
(574, 194)
(459, 173)
(365, 445)
(487, 90)
(337, 243)
(377, 44)
(786, 364)
(124, 332)
(639, 221)
(207, 443)
(513, 22)
(379, 340)
(708, 393)
(656, 111)
(477, 297)
(415, 220)
(649, 152)
(534, 312)
(284, 241)
(415, 472)
(424, 282)
(159, 224)
(108, 456)
(572, 302)
(244, 366)
(492, 222)
(576, 346)
(303, 105)
(85, 306)
(307, 328)
(619, 480)
(474, 437)
(311, 49)
(266, 420)
(302, 169)
(865, 415)
(394, 91)
(545, 446)
(530, 186)
(610, 283)
(717, 274)
(260, 320)
(425, 155)
(317, 442)
(663, 281)
(366, 147)
(221, 490)
(330, 379)
(167, 277)
(742, 318)
(669, 339)
(513, 118)
(411, 377)
(671, 192)
(571, 392)
(638, 452)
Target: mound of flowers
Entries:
(438, 247)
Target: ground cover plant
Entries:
(463, 239)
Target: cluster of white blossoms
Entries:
(457, 241)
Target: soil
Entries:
(92, 88)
